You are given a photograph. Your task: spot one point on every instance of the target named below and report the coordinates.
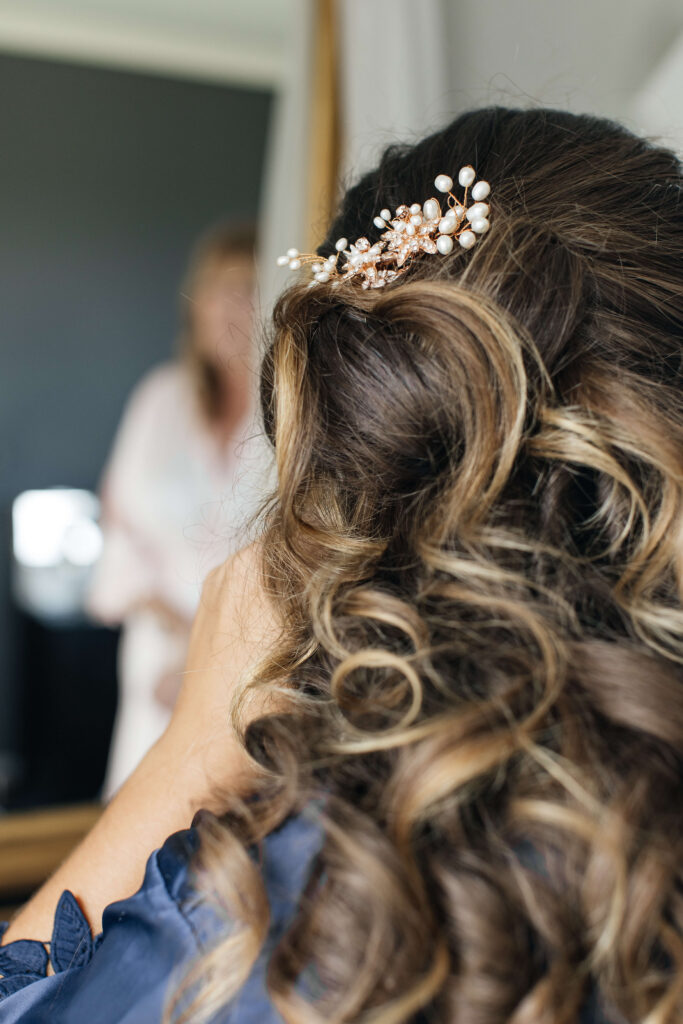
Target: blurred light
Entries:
(57, 525)
(56, 542)
(82, 544)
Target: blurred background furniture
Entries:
(33, 844)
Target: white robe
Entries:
(175, 506)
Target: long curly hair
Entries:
(476, 549)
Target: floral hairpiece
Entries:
(413, 229)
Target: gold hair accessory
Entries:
(413, 229)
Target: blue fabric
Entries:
(122, 976)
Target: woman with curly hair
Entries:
(452, 664)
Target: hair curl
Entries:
(477, 552)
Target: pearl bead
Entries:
(282, 261)
(480, 225)
(467, 239)
(457, 211)
(481, 190)
(316, 268)
(444, 244)
(443, 183)
(292, 254)
(431, 209)
(416, 208)
(416, 219)
(385, 213)
(477, 211)
(341, 243)
(378, 222)
(410, 229)
(466, 176)
(294, 264)
(322, 277)
(447, 225)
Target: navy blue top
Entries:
(147, 941)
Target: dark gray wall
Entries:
(106, 177)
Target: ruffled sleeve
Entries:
(122, 975)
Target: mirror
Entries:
(108, 176)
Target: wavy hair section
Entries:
(477, 553)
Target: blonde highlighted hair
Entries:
(477, 553)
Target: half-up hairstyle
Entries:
(477, 554)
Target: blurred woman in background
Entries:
(184, 476)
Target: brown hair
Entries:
(220, 244)
(477, 553)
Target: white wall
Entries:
(410, 65)
(583, 55)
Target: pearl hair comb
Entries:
(413, 229)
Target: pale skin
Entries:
(197, 758)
